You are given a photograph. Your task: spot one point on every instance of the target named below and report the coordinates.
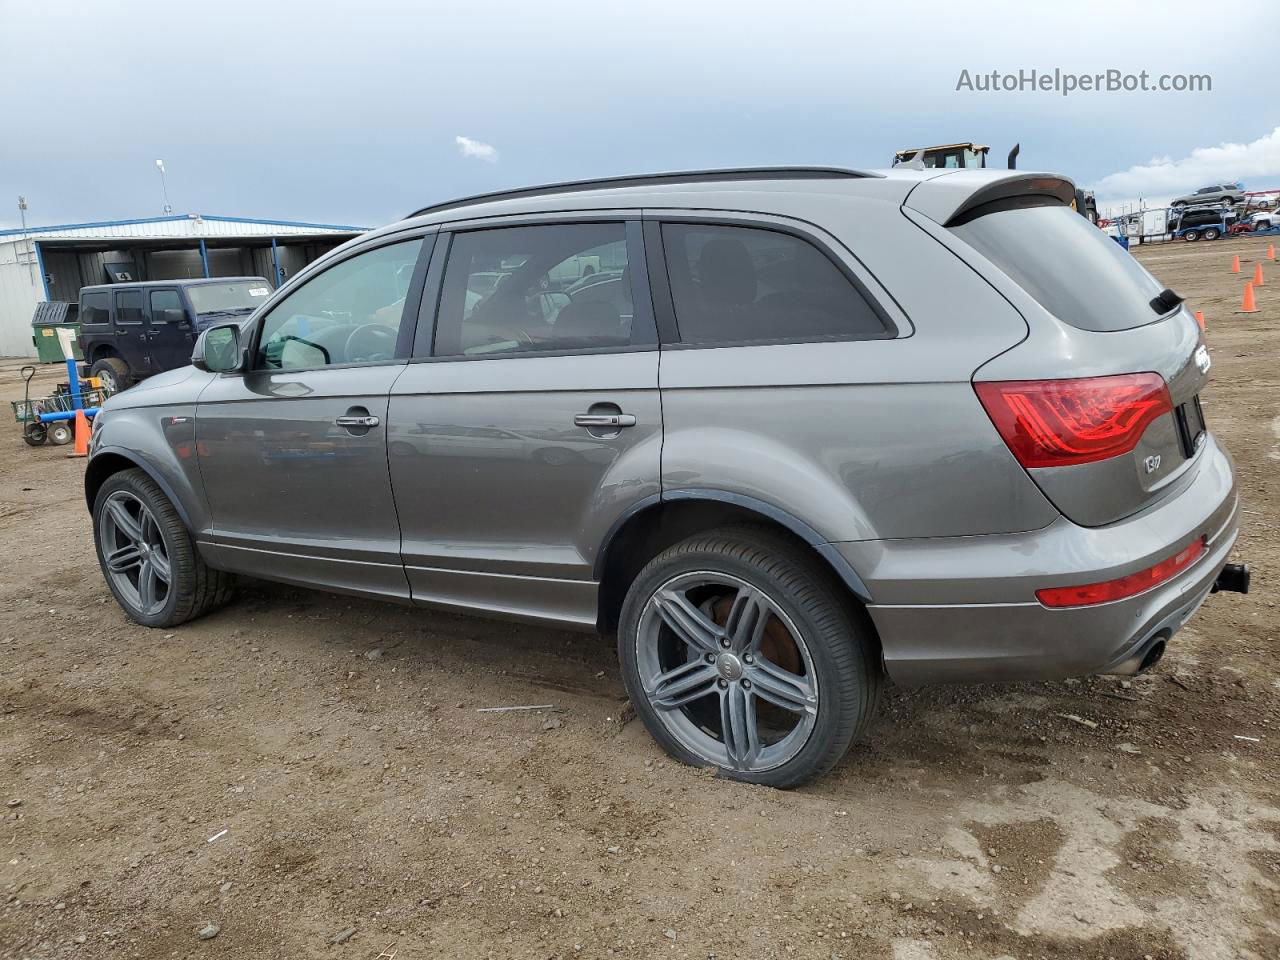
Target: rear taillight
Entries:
(1057, 423)
(1132, 585)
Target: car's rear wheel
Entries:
(1211, 234)
(740, 651)
(113, 372)
(147, 556)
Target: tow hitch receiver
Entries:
(1234, 577)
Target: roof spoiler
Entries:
(949, 199)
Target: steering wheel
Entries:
(371, 341)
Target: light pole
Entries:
(165, 187)
(22, 212)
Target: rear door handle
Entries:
(604, 420)
(357, 422)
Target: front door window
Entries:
(350, 313)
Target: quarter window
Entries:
(95, 308)
(524, 289)
(128, 306)
(350, 313)
(748, 285)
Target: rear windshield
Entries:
(237, 296)
(1072, 269)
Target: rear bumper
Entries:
(963, 608)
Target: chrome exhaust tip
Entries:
(1152, 656)
(1234, 578)
(1143, 659)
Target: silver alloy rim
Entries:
(134, 553)
(706, 648)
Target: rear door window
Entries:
(517, 290)
(739, 285)
(1069, 266)
(128, 306)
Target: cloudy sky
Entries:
(360, 112)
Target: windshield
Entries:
(1067, 264)
(234, 296)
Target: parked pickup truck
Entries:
(129, 331)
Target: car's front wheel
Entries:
(740, 651)
(147, 556)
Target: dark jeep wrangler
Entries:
(129, 331)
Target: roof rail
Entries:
(653, 179)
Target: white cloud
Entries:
(1255, 164)
(475, 148)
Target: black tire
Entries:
(195, 588)
(1211, 233)
(35, 434)
(60, 432)
(1190, 235)
(836, 632)
(114, 374)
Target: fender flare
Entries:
(843, 568)
(146, 467)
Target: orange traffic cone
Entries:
(1257, 276)
(1200, 319)
(82, 435)
(1235, 263)
(1271, 251)
(1247, 305)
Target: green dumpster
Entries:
(50, 317)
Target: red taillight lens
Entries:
(1135, 583)
(1057, 423)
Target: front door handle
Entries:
(605, 420)
(362, 423)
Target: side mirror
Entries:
(217, 349)
(173, 315)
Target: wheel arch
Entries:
(657, 522)
(107, 463)
(102, 351)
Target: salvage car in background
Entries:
(130, 331)
(1232, 193)
(836, 472)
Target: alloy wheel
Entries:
(726, 671)
(134, 553)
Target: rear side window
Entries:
(1071, 268)
(520, 290)
(95, 308)
(732, 285)
(128, 306)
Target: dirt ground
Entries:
(310, 774)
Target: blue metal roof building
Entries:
(53, 263)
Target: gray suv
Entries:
(782, 432)
(1214, 193)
